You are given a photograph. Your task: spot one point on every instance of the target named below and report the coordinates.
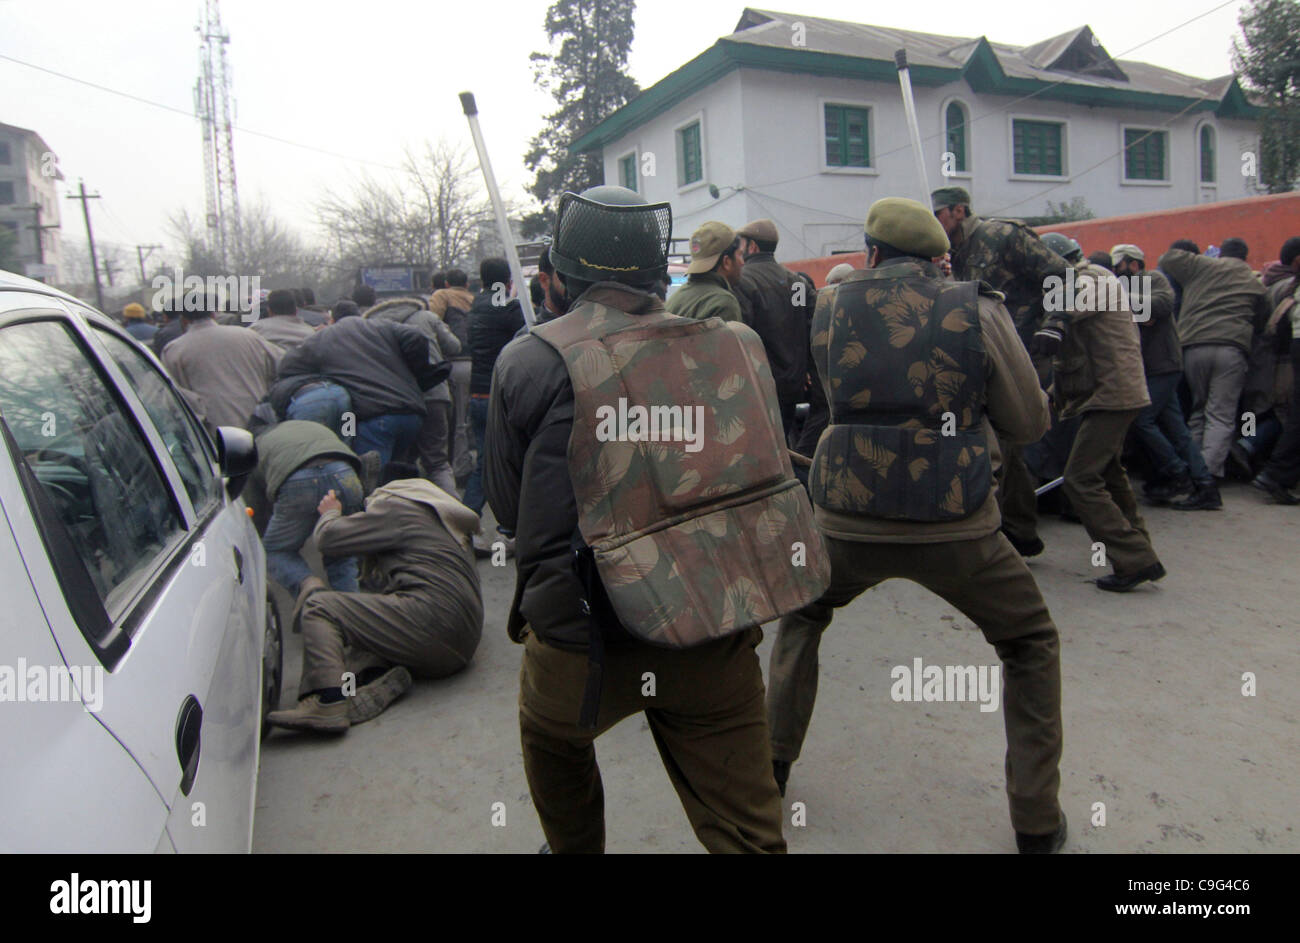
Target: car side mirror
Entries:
(237, 456)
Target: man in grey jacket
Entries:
(280, 323)
(1223, 305)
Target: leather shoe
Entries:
(1026, 548)
(1205, 498)
(1122, 584)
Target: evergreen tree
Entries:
(1269, 61)
(587, 78)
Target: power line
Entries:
(188, 114)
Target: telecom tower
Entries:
(212, 106)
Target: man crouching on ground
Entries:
(361, 649)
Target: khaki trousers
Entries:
(337, 628)
(988, 581)
(1099, 491)
(706, 716)
(1016, 498)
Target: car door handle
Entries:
(189, 724)
(239, 565)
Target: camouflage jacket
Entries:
(905, 357)
(683, 537)
(1010, 258)
(1014, 407)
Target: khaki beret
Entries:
(707, 245)
(762, 230)
(907, 226)
(1124, 251)
(949, 196)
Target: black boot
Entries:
(1048, 844)
(1122, 584)
(1026, 548)
(1204, 498)
(1265, 483)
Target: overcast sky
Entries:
(368, 79)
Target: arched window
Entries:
(1207, 154)
(955, 124)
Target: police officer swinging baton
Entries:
(503, 224)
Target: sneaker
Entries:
(1122, 584)
(312, 715)
(1048, 844)
(373, 699)
(1205, 498)
(1264, 483)
(310, 587)
(1165, 491)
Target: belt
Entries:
(480, 396)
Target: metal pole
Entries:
(1055, 482)
(503, 224)
(90, 238)
(905, 80)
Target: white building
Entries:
(801, 120)
(28, 171)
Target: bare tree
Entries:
(431, 216)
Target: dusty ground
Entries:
(1156, 725)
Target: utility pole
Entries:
(142, 255)
(39, 231)
(90, 238)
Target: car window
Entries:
(178, 430)
(92, 463)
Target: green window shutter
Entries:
(627, 171)
(1207, 154)
(847, 136)
(690, 165)
(1144, 154)
(1036, 148)
(955, 123)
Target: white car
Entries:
(139, 650)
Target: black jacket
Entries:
(767, 304)
(383, 365)
(1161, 352)
(491, 327)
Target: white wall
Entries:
(763, 131)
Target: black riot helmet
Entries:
(611, 234)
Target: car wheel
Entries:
(272, 664)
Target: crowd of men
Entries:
(673, 469)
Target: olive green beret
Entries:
(907, 226)
(949, 196)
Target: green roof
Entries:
(1072, 68)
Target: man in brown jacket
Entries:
(946, 379)
(1097, 373)
(361, 649)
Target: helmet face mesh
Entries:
(603, 242)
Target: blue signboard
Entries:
(389, 278)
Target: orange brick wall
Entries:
(1265, 222)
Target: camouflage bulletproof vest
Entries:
(905, 355)
(685, 492)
